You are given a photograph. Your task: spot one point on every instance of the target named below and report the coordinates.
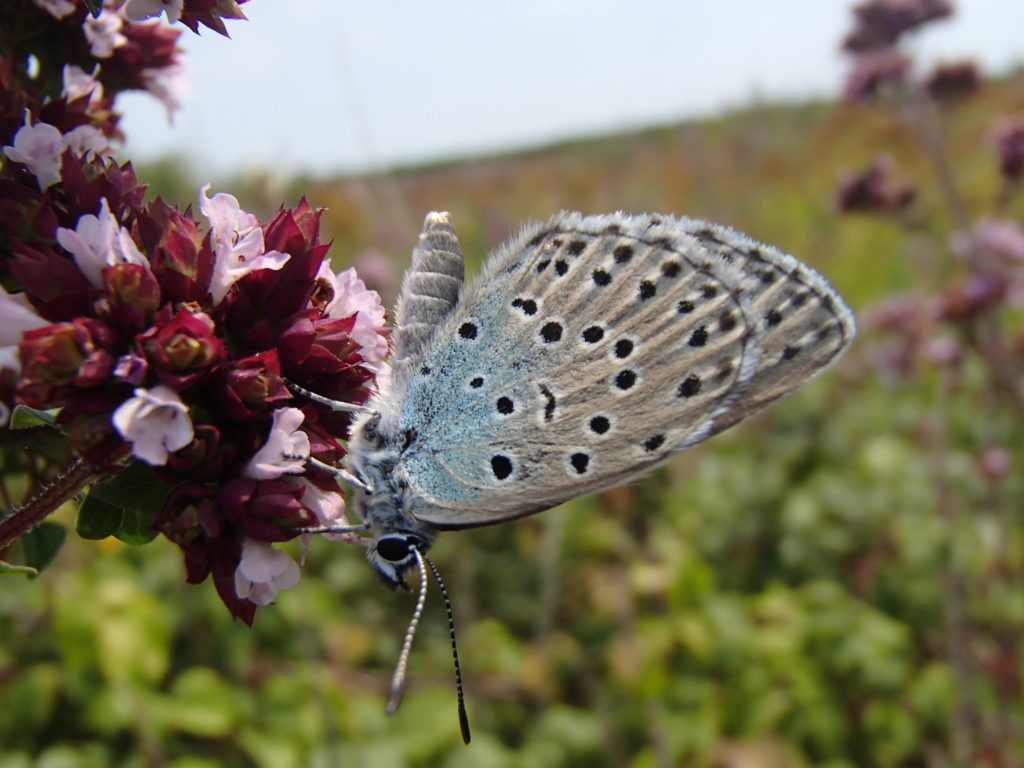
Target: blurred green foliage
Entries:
(780, 596)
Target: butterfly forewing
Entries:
(592, 348)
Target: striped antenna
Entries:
(463, 715)
(398, 678)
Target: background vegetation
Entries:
(835, 583)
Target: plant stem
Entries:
(76, 476)
(957, 629)
(920, 113)
(26, 517)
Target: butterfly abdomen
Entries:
(430, 291)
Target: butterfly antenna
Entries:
(398, 678)
(463, 715)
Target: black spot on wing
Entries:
(501, 466)
(579, 461)
(550, 402)
(625, 379)
(654, 442)
(551, 332)
(691, 386)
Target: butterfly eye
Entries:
(394, 548)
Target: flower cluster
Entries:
(879, 24)
(962, 319)
(874, 190)
(880, 69)
(1008, 135)
(160, 336)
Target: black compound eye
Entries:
(394, 548)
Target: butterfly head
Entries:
(391, 555)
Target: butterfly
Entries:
(589, 350)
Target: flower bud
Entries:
(181, 349)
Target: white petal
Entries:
(262, 571)
(242, 584)
(262, 594)
(286, 448)
(36, 146)
(288, 577)
(16, 317)
(156, 422)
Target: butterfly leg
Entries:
(334, 405)
(341, 474)
(352, 530)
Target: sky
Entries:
(330, 86)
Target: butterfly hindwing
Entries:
(594, 347)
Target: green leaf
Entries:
(41, 544)
(97, 519)
(136, 528)
(137, 489)
(28, 570)
(24, 417)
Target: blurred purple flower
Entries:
(909, 314)
(85, 140)
(168, 84)
(942, 350)
(56, 8)
(949, 82)
(995, 242)
(104, 33)
(994, 249)
(994, 462)
(1008, 135)
(38, 146)
(880, 23)
(79, 83)
(873, 189)
(376, 269)
(972, 295)
(874, 71)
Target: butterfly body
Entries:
(590, 349)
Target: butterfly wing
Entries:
(593, 348)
